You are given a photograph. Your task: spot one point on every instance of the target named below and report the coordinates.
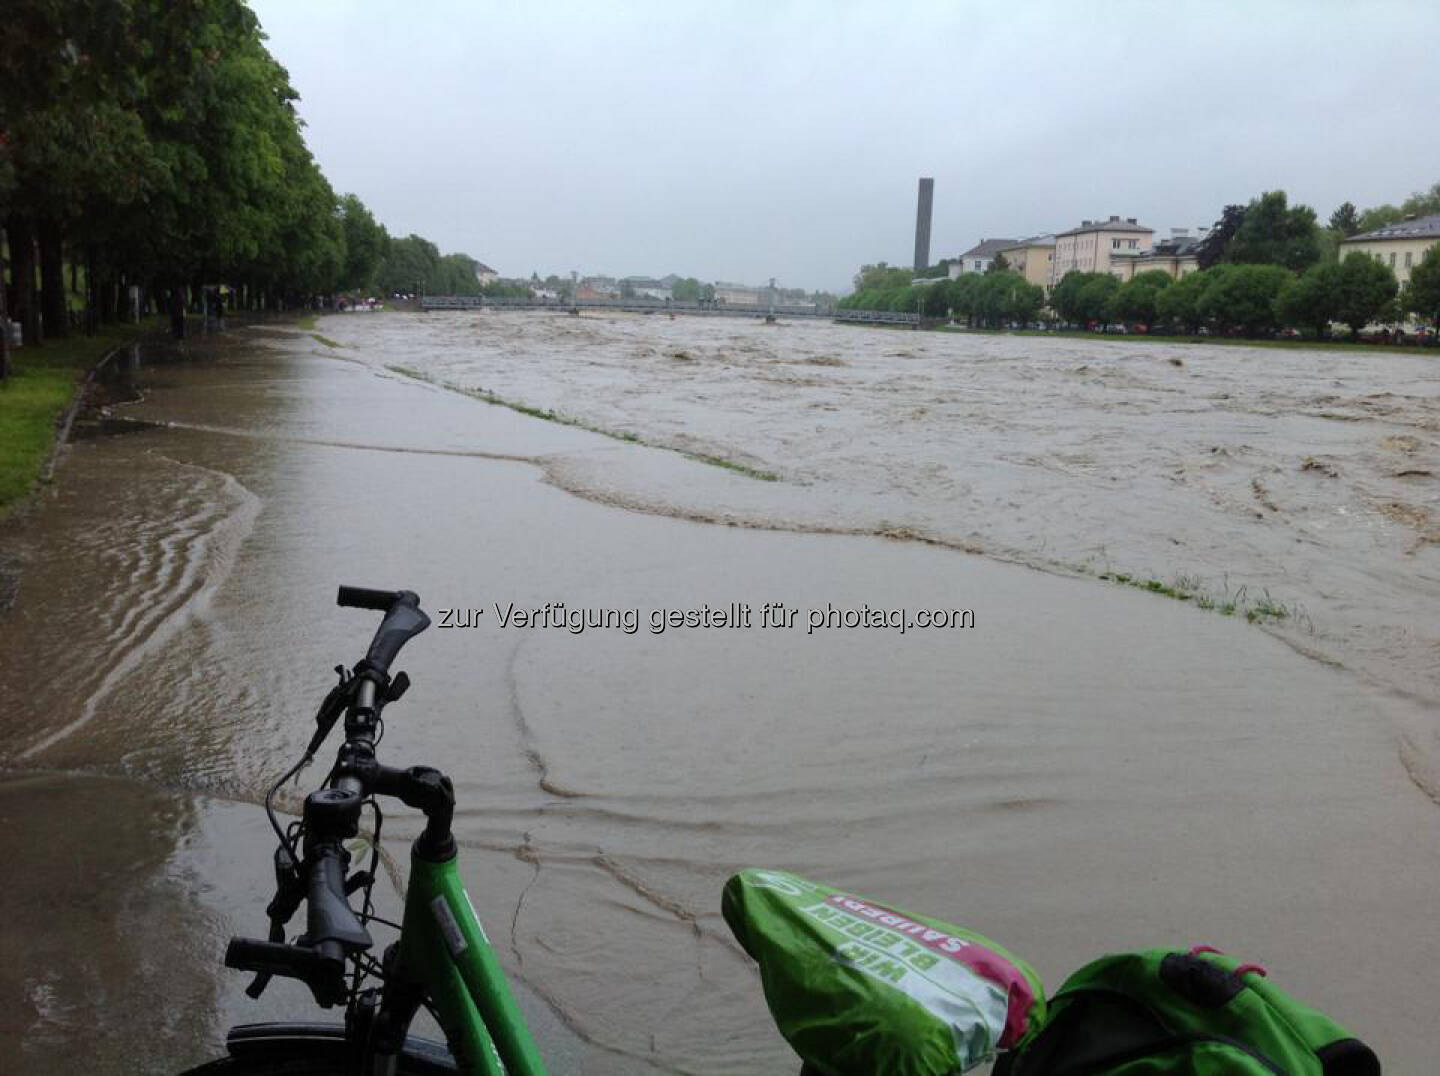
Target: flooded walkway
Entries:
(1087, 768)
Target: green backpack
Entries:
(1198, 1013)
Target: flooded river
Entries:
(1087, 767)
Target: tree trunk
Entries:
(177, 312)
(27, 309)
(4, 320)
(92, 297)
(53, 300)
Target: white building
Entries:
(978, 258)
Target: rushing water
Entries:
(1088, 767)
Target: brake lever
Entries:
(289, 892)
(331, 709)
(262, 978)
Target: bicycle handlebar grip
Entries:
(404, 619)
(365, 598)
(329, 917)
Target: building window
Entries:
(1392, 259)
(1133, 243)
(1114, 244)
(1407, 259)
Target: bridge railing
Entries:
(659, 306)
(640, 305)
(878, 317)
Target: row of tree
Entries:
(989, 299)
(1254, 299)
(1230, 297)
(155, 144)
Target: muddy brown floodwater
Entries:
(1087, 768)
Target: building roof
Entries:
(1114, 224)
(1180, 246)
(1033, 241)
(1414, 228)
(481, 267)
(988, 248)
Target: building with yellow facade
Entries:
(1179, 256)
(1031, 258)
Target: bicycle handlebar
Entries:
(333, 930)
(404, 620)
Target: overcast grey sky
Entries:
(738, 141)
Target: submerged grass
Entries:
(326, 340)
(551, 415)
(41, 384)
(1189, 588)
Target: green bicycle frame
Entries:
(444, 947)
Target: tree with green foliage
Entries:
(882, 276)
(1006, 297)
(934, 301)
(1275, 233)
(1364, 291)
(1135, 301)
(1211, 250)
(365, 245)
(1096, 298)
(1065, 297)
(409, 264)
(1345, 219)
(1242, 297)
(1179, 304)
(1329, 240)
(1379, 216)
(686, 290)
(1422, 291)
(962, 296)
(1422, 203)
(1310, 301)
(1082, 298)
(458, 274)
(498, 289)
(998, 264)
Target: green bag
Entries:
(1198, 1013)
(856, 987)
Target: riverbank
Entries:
(1085, 769)
(43, 383)
(1294, 344)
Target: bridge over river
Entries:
(659, 306)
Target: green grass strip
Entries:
(1188, 588)
(42, 382)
